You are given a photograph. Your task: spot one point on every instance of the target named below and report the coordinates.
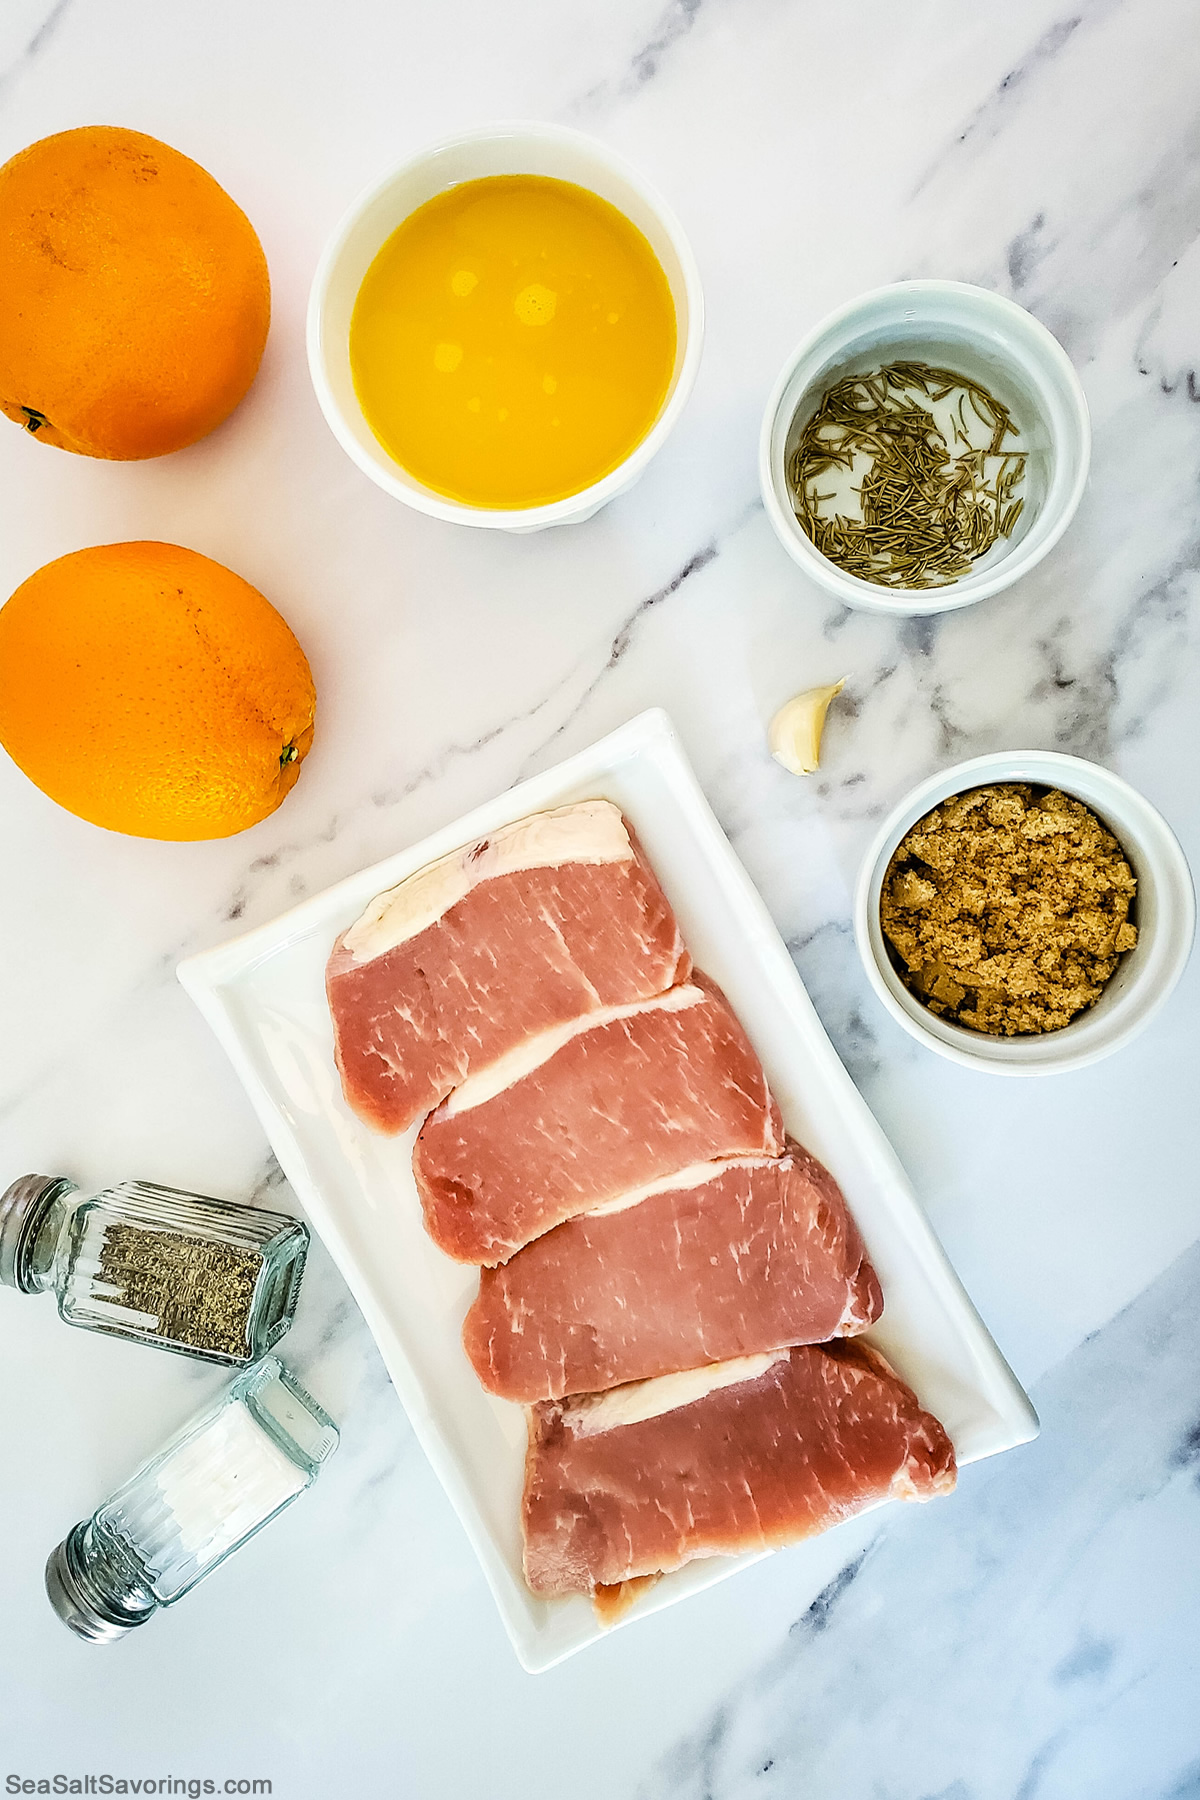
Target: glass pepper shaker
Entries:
(229, 1471)
(199, 1276)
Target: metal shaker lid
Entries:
(21, 1204)
(79, 1603)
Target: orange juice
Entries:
(513, 341)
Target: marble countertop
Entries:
(1038, 1635)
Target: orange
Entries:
(153, 691)
(134, 295)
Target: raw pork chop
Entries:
(550, 919)
(586, 1115)
(724, 1260)
(646, 1477)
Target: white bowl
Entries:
(504, 149)
(977, 333)
(1165, 915)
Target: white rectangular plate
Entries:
(264, 996)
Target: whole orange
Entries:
(152, 691)
(134, 295)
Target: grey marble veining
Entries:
(1037, 1637)
(27, 31)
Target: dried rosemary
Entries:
(901, 476)
(200, 1293)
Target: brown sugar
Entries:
(1007, 909)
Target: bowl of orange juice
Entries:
(504, 329)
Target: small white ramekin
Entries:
(502, 149)
(1165, 915)
(980, 334)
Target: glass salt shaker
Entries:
(229, 1471)
(177, 1270)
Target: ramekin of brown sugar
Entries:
(1011, 791)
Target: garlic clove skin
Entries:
(794, 734)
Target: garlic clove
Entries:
(794, 734)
